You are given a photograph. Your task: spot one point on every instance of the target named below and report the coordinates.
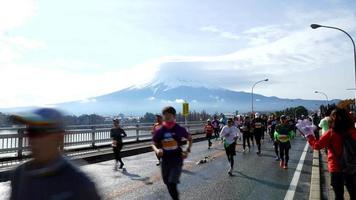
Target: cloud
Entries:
(223, 34)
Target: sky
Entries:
(57, 51)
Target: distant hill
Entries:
(151, 98)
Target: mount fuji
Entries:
(154, 96)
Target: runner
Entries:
(258, 131)
(167, 145)
(245, 130)
(209, 129)
(216, 125)
(48, 175)
(324, 123)
(116, 134)
(283, 135)
(230, 133)
(272, 128)
(155, 128)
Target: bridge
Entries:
(204, 175)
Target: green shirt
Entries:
(324, 125)
(283, 133)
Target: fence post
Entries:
(20, 142)
(137, 132)
(93, 136)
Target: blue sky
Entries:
(55, 51)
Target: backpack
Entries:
(348, 157)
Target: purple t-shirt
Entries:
(171, 140)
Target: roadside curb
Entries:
(315, 191)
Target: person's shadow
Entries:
(136, 177)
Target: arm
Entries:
(323, 142)
(123, 133)
(158, 151)
(190, 143)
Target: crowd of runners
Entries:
(172, 144)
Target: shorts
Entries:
(171, 171)
(230, 150)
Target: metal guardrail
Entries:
(16, 145)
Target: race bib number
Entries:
(169, 143)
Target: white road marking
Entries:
(293, 184)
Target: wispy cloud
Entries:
(223, 34)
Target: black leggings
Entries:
(284, 151)
(230, 153)
(117, 153)
(338, 180)
(173, 191)
(276, 146)
(209, 140)
(245, 138)
(258, 137)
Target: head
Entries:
(169, 114)
(45, 131)
(215, 117)
(116, 122)
(341, 121)
(159, 119)
(283, 119)
(209, 121)
(257, 115)
(230, 122)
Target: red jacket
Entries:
(209, 129)
(334, 143)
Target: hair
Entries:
(170, 110)
(342, 121)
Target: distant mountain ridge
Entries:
(151, 98)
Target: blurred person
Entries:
(216, 125)
(245, 130)
(283, 135)
(48, 175)
(167, 144)
(324, 123)
(156, 127)
(340, 140)
(230, 133)
(209, 129)
(116, 135)
(272, 128)
(258, 131)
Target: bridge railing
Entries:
(17, 145)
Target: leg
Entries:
(350, 183)
(258, 141)
(173, 191)
(286, 154)
(276, 146)
(244, 141)
(281, 151)
(119, 147)
(337, 182)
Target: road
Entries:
(255, 177)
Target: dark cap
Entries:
(48, 119)
(169, 109)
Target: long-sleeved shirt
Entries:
(229, 133)
(283, 133)
(117, 134)
(334, 142)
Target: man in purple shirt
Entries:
(168, 142)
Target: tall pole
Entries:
(326, 96)
(252, 93)
(315, 26)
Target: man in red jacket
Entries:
(342, 127)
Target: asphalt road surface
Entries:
(255, 177)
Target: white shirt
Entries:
(230, 133)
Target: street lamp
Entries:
(252, 92)
(326, 96)
(315, 26)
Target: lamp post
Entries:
(252, 92)
(315, 26)
(326, 96)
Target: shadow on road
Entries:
(136, 177)
(268, 183)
